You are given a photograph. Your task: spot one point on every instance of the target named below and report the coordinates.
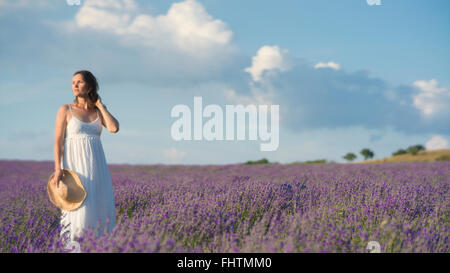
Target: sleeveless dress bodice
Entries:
(78, 128)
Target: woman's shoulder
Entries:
(63, 108)
(63, 111)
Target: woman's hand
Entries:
(98, 102)
(57, 177)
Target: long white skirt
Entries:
(85, 156)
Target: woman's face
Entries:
(79, 86)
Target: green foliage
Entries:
(261, 161)
(400, 152)
(318, 161)
(349, 156)
(415, 149)
(366, 153)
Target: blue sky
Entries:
(347, 75)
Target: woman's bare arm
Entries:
(60, 129)
(109, 121)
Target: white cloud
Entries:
(268, 58)
(174, 155)
(431, 99)
(331, 65)
(262, 92)
(100, 19)
(436, 143)
(187, 26)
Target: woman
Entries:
(78, 148)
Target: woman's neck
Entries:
(82, 103)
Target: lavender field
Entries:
(243, 208)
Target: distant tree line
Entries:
(367, 153)
(410, 150)
(317, 161)
(261, 161)
(265, 161)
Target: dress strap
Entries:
(71, 114)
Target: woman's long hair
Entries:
(92, 84)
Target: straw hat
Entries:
(69, 192)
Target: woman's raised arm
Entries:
(110, 122)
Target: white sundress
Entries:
(83, 154)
